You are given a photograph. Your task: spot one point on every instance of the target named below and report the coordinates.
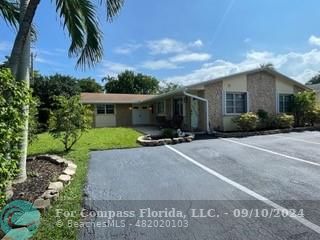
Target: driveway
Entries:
(262, 187)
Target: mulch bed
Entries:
(40, 173)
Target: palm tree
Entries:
(79, 18)
(267, 66)
(9, 11)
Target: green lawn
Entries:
(71, 197)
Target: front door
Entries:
(140, 115)
(194, 113)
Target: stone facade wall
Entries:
(262, 92)
(123, 115)
(214, 94)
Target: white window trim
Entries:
(278, 100)
(105, 109)
(224, 103)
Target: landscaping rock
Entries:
(168, 140)
(71, 165)
(57, 159)
(175, 140)
(31, 158)
(64, 178)
(57, 186)
(50, 194)
(41, 204)
(69, 171)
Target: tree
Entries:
(89, 85)
(131, 83)
(267, 66)
(314, 80)
(46, 88)
(304, 104)
(80, 19)
(168, 87)
(70, 120)
(9, 11)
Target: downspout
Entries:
(207, 106)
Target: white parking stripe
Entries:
(300, 140)
(246, 190)
(272, 152)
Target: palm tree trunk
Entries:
(21, 70)
(27, 11)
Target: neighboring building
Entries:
(316, 88)
(204, 106)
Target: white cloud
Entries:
(191, 57)
(168, 45)
(127, 48)
(300, 66)
(313, 40)
(159, 64)
(197, 43)
(113, 68)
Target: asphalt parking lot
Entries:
(261, 187)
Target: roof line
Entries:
(270, 70)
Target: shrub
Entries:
(304, 103)
(168, 133)
(283, 121)
(13, 97)
(313, 116)
(247, 121)
(69, 120)
(264, 120)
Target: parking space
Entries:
(261, 172)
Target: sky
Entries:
(187, 41)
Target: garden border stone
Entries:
(266, 132)
(44, 202)
(147, 141)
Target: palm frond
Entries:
(9, 11)
(79, 18)
(113, 8)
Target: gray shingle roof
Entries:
(315, 87)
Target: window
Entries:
(160, 107)
(236, 103)
(110, 109)
(285, 103)
(105, 109)
(178, 106)
(101, 109)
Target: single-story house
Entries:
(204, 106)
(316, 88)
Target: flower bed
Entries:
(149, 140)
(265, 132)
(47, 175)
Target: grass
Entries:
(71, 198)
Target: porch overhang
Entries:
(183, 91)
